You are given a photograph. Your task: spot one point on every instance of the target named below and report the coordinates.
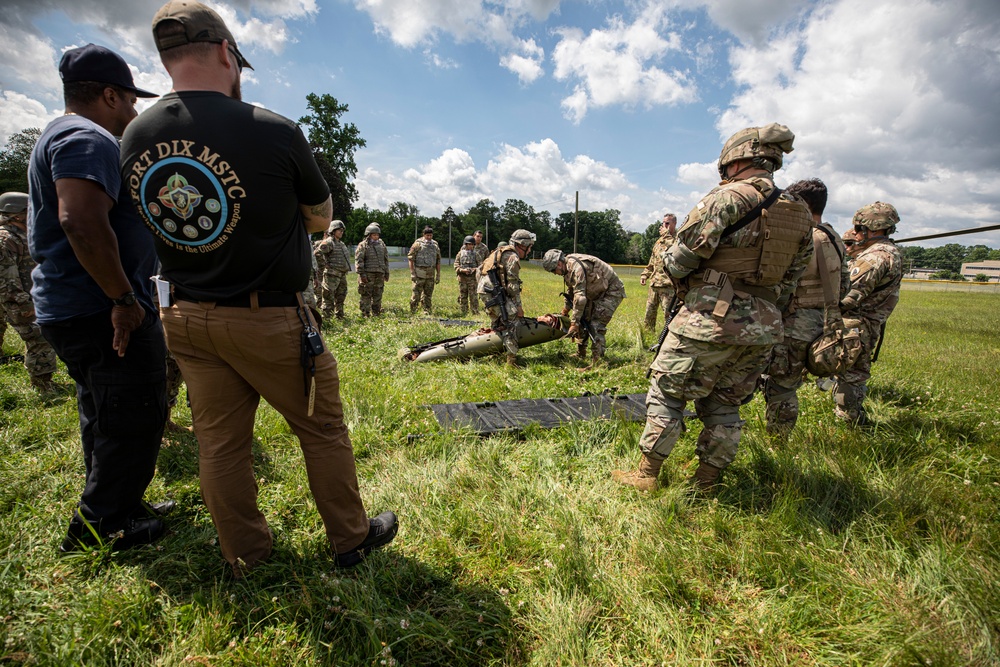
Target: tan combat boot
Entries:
(706, 477)
(644, 478)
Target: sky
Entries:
(626, 102)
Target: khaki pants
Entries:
(230, 358)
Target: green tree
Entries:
(335, 143)
(485, 216)
(981, 278)
(14, 160)
(636, 253)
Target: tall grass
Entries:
(839, 547)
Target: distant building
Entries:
(988, 267)
(917, 273)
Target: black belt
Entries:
(264, 299)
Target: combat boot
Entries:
(706, 477)
(644, 478)
(44, 385)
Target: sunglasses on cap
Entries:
(849, 243)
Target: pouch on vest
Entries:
(837, 349)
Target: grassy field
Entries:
(842, 547)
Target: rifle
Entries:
(675, 306)
(499, 297)
(584, 321)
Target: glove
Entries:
(574, 331)
(564, 312)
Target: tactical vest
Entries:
(595, 280)
(826, 257)
(774, 236)
(467, 259)
(492, 261)
(426, 254)
(375, 260)
(337, 259)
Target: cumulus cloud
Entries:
(536, 173)
(527, 62)
(617, 65)
(895, 101)
(18, 112)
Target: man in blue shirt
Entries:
(93, 298)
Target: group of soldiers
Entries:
(752, 278)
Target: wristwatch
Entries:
(126, 300)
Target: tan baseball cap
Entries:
(201, 24)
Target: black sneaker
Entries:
(381, 530)
(137, 532)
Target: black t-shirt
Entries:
(220, 182)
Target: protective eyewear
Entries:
(239, 59)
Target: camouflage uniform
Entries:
(508, 266)
(481, 251)
(876, 273)
(803, 322)
(593, 291)
(661, 289)
(309, 293)
(715, 353)
(425, 262)
(371, 261)
(15, 295)
(334, 260)
(466, 263)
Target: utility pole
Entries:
(449, 238)
(576, 217)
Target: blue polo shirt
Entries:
(74, 147)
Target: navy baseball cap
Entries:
(97, 63)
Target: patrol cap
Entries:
(13, 202)
(98, 64)
(551, 259)
(468, 239)
(428, 230)
(523, 237)
(335, 225)
(200, 23)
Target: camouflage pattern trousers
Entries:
(507, 334)
(600, 316)
(851, 387)
(422, 290)
(333, 294)
(467, 294)
(785, 374)
(718, 378)
(39, 357)
(657, 299)
(371, 293)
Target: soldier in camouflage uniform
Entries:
(334, 260)
(371, 261)
(507, 262)
(15, 291)
(425, 270)
(466, 264)
(807, 313)
(876, 274)
(735, 269)
(851, 244)
(593, 292)
(661, 290)
(481, 249)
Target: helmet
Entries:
(552, 258)
(13, 202)
(764, 145)
(373, 229)
(877, 216)
(523, 237)
(468, 239)
(335, 225)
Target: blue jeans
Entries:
(123, 408)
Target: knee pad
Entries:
(713, 413)
(774, 392)
(666, 407)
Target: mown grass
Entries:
(841, 547)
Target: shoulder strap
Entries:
(752, 214)
(832, 238)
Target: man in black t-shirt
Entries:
(231, 192)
